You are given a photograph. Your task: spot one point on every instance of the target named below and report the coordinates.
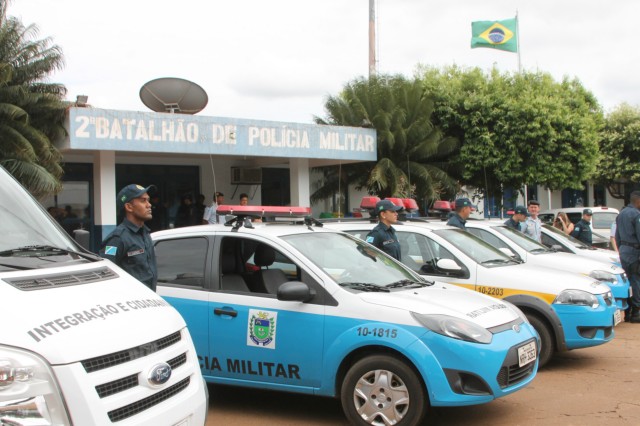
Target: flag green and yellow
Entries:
(495, 34)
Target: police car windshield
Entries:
(350, 260)
(530, 245)
(477, 249)
(564, 238)
(23, 221)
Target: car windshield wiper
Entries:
(541, 250)
(48, 251)
(365, 287)
(407, 283)
(500, 261)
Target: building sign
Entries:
(110, 130)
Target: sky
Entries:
(279, 60)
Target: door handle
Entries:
(222, 311)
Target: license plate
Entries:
(617, 317)
(527, 354)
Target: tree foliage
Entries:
(517, 129)
(411, 151)
(620, 146)
(31, 110)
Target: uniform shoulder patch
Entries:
(110, 250)
(369, 239)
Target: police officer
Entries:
(462, 213)
(582, 229)
(532, 226)
(129, 246)
(520, 214)
(628, 240)
(384, 236)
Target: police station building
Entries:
(187, 155)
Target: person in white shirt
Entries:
(210, 215)
(532, 227)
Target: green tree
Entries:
(32, 111)
(412, 153)
(517, 129)
(620, 146)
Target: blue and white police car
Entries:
(300, 308)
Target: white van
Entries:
(82, 341)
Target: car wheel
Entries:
(383, 390)
(546, 339)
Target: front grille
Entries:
(116, 386)
(148, 402)
(511, 373)
(177, 361)
(106, 361)
(608, 300)
(62, 280)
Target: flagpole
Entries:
(518, 42)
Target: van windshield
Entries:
(24, 222)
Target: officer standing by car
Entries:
(462, 213)
(384, 236)
(129, 246)
(582, 229)
(520, 214)
(532, 226)
(628, 240)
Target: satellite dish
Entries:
(174, 95)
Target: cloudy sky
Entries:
(280, 59)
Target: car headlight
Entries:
(604, 276)
(517, 310)
(456, 328)
(577, 297)
(29, 392)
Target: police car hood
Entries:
(72, 315)
(570, 262)
(446, 299)
(532, 279)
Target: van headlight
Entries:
(29, 392)
(577, 297)
(604, 277)
(453, 327)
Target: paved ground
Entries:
(595, 386)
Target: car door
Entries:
(255, 337)
(182, 268)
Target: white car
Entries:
(532, 252)
(301, 308)
(568, 311)
(601, 220)
(559, 241)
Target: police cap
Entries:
(587, 212)
(130, 192)
(383, 205)
(463, 202)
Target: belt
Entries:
(635, 246)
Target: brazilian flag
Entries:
(495, 34)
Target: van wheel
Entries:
(546, 339)
(383, 390)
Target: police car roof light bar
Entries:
(396, 201)
(443, 205)
(264, 211)
(410, 205)
(369, 203)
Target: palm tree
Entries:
(412, 153)
(32, 111)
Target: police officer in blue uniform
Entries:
(129, 246)
(520, 214)
(628, 240)
(384, 236)
(582, 229)
(463, 211)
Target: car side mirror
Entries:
(448, 265)
(295, 291)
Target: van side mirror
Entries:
(83, 237)
(507, 251)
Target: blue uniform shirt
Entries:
(457, 221)
(582, 231)
(385, 239)
(130, 247)
(628, 234)
(513, 224)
